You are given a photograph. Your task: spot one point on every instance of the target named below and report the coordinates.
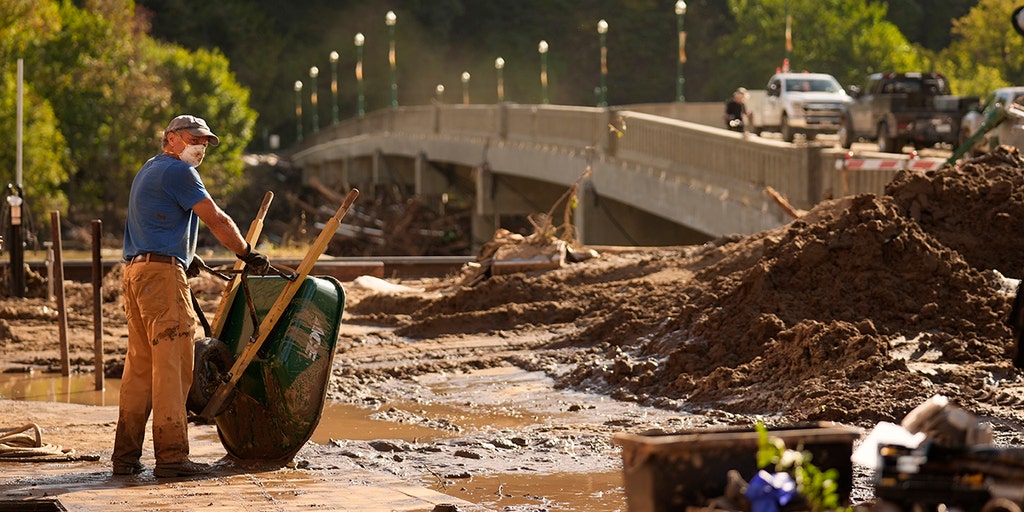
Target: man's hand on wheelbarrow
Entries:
(258, 263)
(194, 267)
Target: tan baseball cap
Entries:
(195, 125)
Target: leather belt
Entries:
(158, 258)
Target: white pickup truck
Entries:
(807, 103)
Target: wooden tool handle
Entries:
(292, 287)
(255, 228)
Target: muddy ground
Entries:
(856, 312)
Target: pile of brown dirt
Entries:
(857, 311)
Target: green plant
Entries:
(818, 488)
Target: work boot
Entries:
(185, 468)
(128, 468)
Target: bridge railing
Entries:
(803, 173)
(691, 149)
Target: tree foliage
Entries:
(201, 82)
(44, 151)
(846, 38)
(985, 52)
(101, 92)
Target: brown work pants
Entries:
(158, 366)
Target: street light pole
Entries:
(390, 20)
(499, 65)
(789, 39)
(314, 72)
(359, 40)
(602, 30)
(298, 110)
(334, 87)
(465, 87)
(542, 47)
(680, 81)
(439, 91)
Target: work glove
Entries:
(258, 263)
(194, 267)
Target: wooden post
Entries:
(97, 301)
(58, 290)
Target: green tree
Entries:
(986, 52)
(105, 95)
(202, 84)
(111, 89)
(44, 150)
(927, 22)
(846, 38)
(24, 25)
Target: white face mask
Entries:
(193, 154)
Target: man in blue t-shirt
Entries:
(167, 202)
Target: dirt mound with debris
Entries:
(976, 208)
(857, 311)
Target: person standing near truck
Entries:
(736, 111)
(167, 201)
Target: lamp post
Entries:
(680, 81)
(359, 40)
(542, 47)
(789, 39)
(602, 30)
(465, 87)
(439, 91)
(334, 87)
(298, 110)
(390, 18)
(314, 72)
(499, 65)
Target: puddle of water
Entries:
(560, 491)
(503, 398)
(346, 421)
(46, 387)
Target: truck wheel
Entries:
(845, 135)
(785, 129)
(887, 144)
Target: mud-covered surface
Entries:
(856, 312)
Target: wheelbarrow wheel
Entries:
(213, 359)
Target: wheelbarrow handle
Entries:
(251, 237)
(220, 398)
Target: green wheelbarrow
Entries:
(263, 379)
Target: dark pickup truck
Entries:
(896, 109)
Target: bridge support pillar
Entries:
(428, 181)
(485, 219)
(375, 167)
(586, 203)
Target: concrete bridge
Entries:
(662, 174)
